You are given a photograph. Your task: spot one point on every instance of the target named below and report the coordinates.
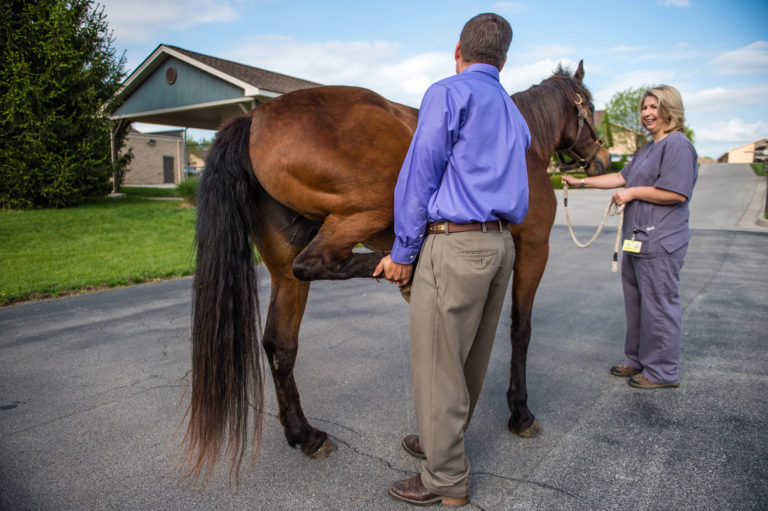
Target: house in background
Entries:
(178, 87)
(197, 162)
(756, 151)
(158, 158)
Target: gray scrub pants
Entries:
(654, 315)
(457, 294)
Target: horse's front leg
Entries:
(530, 262)
(281, 334)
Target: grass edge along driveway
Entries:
(106, 243)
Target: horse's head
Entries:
(580, 140)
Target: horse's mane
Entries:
(545, 107)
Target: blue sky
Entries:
(714, 52)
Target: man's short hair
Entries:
(485, 38)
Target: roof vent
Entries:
(170, 75)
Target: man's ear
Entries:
(502, 63)
(457, 52)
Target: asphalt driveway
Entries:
(92, 391)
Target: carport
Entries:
(178, 87)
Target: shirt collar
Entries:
(483, 68)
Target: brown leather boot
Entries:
(413, 491)
(624, 371)
(412, 447)
(641, 382)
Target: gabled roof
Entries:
(209, 91)
(254, 76)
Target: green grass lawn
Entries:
(147, 191)
(106, 243)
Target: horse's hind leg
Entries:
(530, 262)
(329, 255)
(279, 241)
(281, 334)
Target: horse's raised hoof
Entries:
(325, 450)
(406, 292)
(531, 431)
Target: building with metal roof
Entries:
(178, 87)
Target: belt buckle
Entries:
(440, 227)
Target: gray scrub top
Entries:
(670, 164)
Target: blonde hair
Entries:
(670, 106)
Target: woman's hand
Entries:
(571, 181)
(621, 197)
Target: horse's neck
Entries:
(545, 124)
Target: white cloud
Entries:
(380, 66)
(726, 99)
(750, 59)
(550, 50)
(632, 80)
(736, 131)
(676, 3)
(516, 79)
(139, 21)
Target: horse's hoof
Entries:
(325, 450)
(531, 431)
(406, 292)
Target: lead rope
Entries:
(613, 209)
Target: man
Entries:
(463, 181)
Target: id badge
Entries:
(633, 246)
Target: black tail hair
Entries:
(227, 375)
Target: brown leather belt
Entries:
(449, 227)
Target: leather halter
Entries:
(579, 162)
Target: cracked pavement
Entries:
(92, 392)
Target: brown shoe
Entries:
(641, 382)
(412, 446)
(624, 371)
(413, 491)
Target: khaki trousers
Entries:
(457, 294)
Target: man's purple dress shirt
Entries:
(466, 162)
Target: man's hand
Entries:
(398, 273)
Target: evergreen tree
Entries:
(58, 75)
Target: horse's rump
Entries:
(330, 150)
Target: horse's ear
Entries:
(579, 76)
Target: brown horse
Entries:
(306, 177)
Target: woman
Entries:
(658, 184)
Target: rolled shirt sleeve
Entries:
(677, 170)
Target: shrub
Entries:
(188, 189)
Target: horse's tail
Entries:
(227, 377)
